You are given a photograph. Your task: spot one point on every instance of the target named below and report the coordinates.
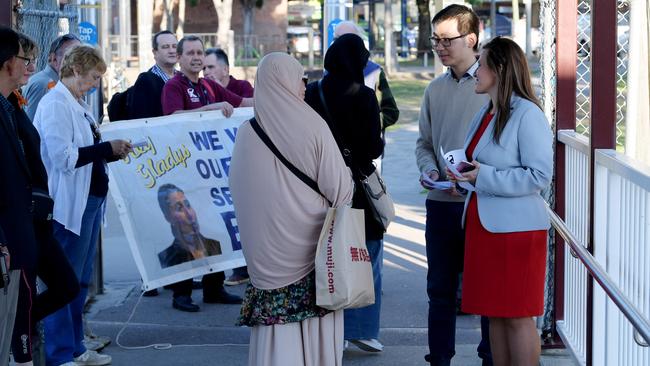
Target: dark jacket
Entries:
(143, 99)
(177, 253)
(354, 112)
(19, 174)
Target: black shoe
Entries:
(220, 296)
(151, 293)
(427, 358)
(184, 303)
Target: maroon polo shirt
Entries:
(179, 93)
(240, 87)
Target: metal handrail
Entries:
(641, 325)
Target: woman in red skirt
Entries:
(510, 144)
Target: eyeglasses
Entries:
(26, 60)
(445, 42)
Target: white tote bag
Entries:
(343, 269)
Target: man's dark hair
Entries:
(9, 45)
(179, 47)
(60, 41)
(219, 54)
(163, 193)
(154, 40)
(468, 21)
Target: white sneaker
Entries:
(92, 358)
(368, 345)
(69, 364)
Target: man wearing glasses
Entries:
(448, 106)
(41, 82)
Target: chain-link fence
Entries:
(622, 51)
(583, 68)
(43, 21)
(548, 27)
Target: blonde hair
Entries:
(82, 58)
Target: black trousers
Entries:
(211, 283)
(54, 270)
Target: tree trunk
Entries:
(248, 20)
(389, 49)
(424, 23)
(180, 30)
(224, 13)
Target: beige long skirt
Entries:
(311, 342)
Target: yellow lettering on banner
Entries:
(141, 150)
(152, 169)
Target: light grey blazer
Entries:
(514, 171)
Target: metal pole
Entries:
(310, 38)
(332, 10)
(602, 131)
(405, 43)
(565, 120)
(529, 24)
(5, 12)
(493, 17)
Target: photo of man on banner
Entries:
(188, 243)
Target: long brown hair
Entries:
(508, 61)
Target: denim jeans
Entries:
(445, 243)
(363, 323)
(64, 329)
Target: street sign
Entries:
(88, 33)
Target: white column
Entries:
(125, 30)
(145, 26)
(637, 119)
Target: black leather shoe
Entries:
(184, 303)
(220, 296)
(151, 293)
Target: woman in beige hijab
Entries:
(280, 218)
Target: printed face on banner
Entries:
(173, 195)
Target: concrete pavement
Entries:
(209, 337)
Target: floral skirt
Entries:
(293, 303)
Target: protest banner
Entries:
(172, 194)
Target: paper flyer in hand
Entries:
(432, 184)
(452, 159)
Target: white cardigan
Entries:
(62, 121)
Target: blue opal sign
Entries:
(88, 33)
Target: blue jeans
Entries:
(445, 242)
(363, 323)
(64, 329)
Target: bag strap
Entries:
(302, 176)
(345, 151)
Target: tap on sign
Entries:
(88, 33)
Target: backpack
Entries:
(118, 107)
